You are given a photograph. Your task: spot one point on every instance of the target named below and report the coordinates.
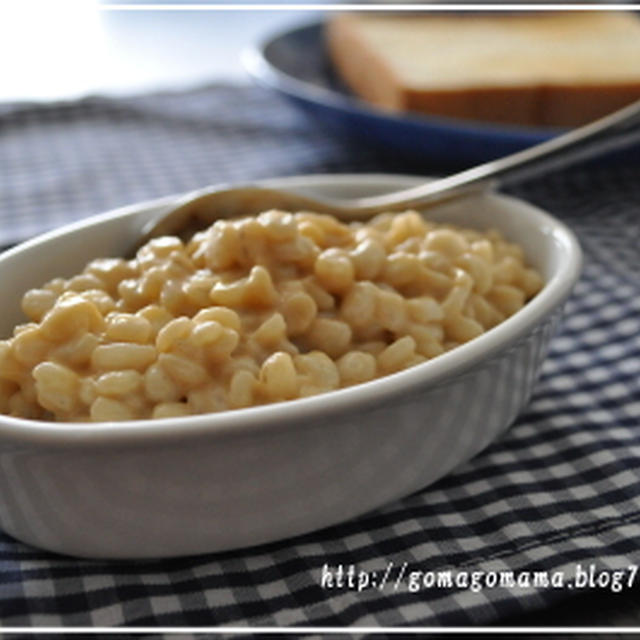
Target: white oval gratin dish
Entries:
(157, 488)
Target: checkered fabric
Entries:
(560, 492)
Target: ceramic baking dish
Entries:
(213, 482)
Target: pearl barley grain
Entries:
(256, 310)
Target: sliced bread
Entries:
(542, 68)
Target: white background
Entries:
(62, 49)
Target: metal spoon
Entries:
(201, 208)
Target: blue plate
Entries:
(296, 64)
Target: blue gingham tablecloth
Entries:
(559, 493)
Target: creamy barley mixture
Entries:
(256, 310)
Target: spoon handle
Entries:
(618, 129)
(614, 131)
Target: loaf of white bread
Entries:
(542, 68)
